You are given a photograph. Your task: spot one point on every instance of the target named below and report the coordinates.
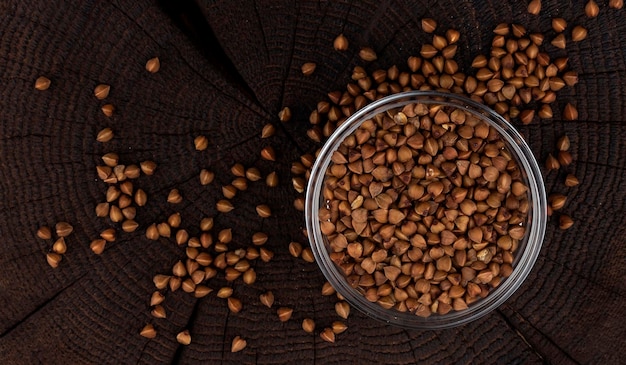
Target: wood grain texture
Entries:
(227, 68)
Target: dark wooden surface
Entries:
(227, 68)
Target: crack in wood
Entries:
(532, 346)
(39, 307)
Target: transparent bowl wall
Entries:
(525, 255)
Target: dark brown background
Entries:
(227, 69)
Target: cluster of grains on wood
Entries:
(592, 9)
(59, 247)
(563, 156)
(516, 78)
(207, 255)
(211, 255)
(214, 255)
(122, 197)
(563, 159)
(424, 208)
(328, 334)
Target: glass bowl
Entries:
(403, 315)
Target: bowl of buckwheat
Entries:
(426, 210)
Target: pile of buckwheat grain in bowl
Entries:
(425, 205)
